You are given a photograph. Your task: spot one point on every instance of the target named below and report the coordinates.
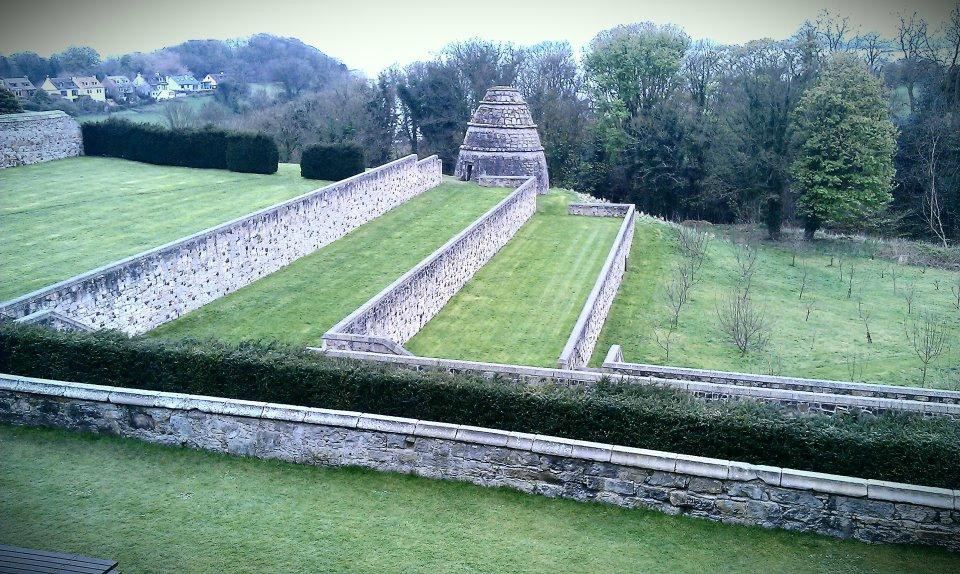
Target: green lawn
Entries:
(162, 509)
(831, 344)
(66, 217)
(300, 302)
(146, 114)
(522, 305)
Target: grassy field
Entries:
(830, 344)
(147, 114)
(521, 306)
(162, 509)
(298, 303)
(65, 217)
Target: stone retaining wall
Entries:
(719, 490)
(34, 137)
(579, 347)
(141, 292)
(388, 320)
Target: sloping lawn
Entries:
(161, 509)
(522, 305)
(65, 217)
(830, 344)
(298, 303)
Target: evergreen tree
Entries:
(844, 167)
(8, 102)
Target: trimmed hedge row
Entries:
(208, 147)
(331, 162)
(897, 447)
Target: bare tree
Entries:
(179, 115)
(928, 336)
(855, 364)
(928, 151)
(865, 317)
(875, 50)
(694, 246)
(803, 280)
(850, 284)
(912, 38)
(742, 321)
(909, 294)
(809, 307)
(956, 293)
(746, 255)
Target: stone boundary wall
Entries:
(803, 401)
(388, 320)
(720, 490)
(614, 363)
(34, 137)
(139, 293)
(579, 347)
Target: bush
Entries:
(9, 104)
(252, 153)
(897, 447)
(331, 162)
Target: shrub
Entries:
(897, 447)
(9, 104)
(252, 153)
(331, 162)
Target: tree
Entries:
(179, 115)
(77, 60)
(9, 104)
(844, 167)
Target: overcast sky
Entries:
(372, 34)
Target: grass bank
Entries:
(65, 217)
(298, 303)
(522, 305)
(161, 509)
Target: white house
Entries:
(91, 87)
(60, 87)
(183, 83)
(121, 83)
(21, 87)
(211, 81)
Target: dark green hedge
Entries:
(902, 448)
(208, 147)
(252, 153)
(331, 162)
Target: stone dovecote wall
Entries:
(388, 320)
(141, 292)
(34, 137)
(726, 491)
(579, 348)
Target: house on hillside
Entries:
(23, 88)
(155, 87)
(61, 88)
(122, 84)
(183, 83)
(90, 86)
(210, 81)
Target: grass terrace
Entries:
(162, 509)
(521, 306)
(66, 217)
(830, 344)
(300, 302)
(149, 113)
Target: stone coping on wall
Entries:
(540, 444)
(338, 331)
(20, 117)
(804, 400)
(614, 363)
(580, 344)
(178, 243)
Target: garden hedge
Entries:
(203, 148)
(897, 447)
(331, 162)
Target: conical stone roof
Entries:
(502, 146)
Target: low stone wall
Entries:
(388, 320)
(34, 137)
(579, 347)
(141, 292)
(614, 363)
(719, 490)
(803, 401)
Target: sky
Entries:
(370, 35)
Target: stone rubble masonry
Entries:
(139, 293)
(502, 142)
(393, 316)
(719, 490)
(803, 401)
(579, 347)
(34, 137)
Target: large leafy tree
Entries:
(844, 166)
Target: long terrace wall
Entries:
(579, 347)
(392, 317)
(719, 490)
(34, 137)
(139, 293)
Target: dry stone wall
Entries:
(719, 490)
(388, 320)
(141, 292)
(579, 348)
(34, 137)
